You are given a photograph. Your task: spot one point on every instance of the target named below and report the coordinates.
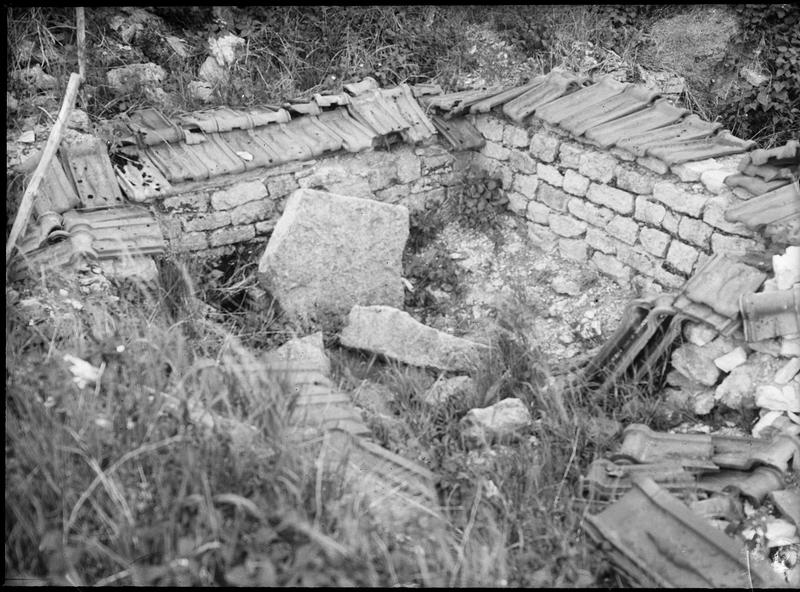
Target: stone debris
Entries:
(329, 252)
(129, 79)
(502, 421)
(731, 360)
(691, 361)
(396, 334)
(445, 389)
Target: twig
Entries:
(26, 204)
(80, 21)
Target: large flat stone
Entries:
(329, 252)
(395, 334)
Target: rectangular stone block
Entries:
(538, 212)
(207, 221)
(721, 243)
(567, 226)
(634, 181)
(496, 151)
(187, 202)
(670, 223)
(435, 161)
(694, 231)
(517, 202)
(597, 215)
(623, 229)
(520, 162)
(190, 241)
(550, 174)
(642, 262)
(252, 212)
(573, 249)
(525, 184)
(407, 164)
(382, 176)
(552, 197)
(654, 241)
(542, 237)
(597, 239)
(229, 236)
(682, 256)
(622, 154)
(679, 199)
(515, 137)
(691, 171)
(598, 166)
(648, 211)
(281, 185)
(575, 183)
(611, 266)
(616, 199)
(544, 147)
(490, 127)
(570, 154)
(170, 226)
(238, 194)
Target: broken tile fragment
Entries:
(787, 371)
(731, 360)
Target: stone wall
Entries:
(631, 218)
(244, 208)
(635, 219)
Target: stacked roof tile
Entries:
(158, 154)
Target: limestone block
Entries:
(187, 202)
(575, 183)
(517, 202)
(538, 212)
(788, 371)
(694, 231)
(281, 185)
(624, 229)
(395, 334)
(598, 166)
(689, 360)
(525, 184)
(229, 236)
(616, 199)
(597, 239)
(570, 154)
(549, 174)
(553, 197)
(544, 147)
(731, 360)
(611, 266)
(714, 180)
(691, 171)
(329, 252)
(502, 421)
(678, 199)
(515, 137)
(522, 163)
(785, 397)
(252, 212)
(597, 215)
(496, 151)
(699, 333)
(566, 226)
(721, 243)
(738, 388)
(714, 215)
(573, 249)
(649, 211)
(238, 194)
(542, 237)
(299, 359)
(654, 241)
(490, 127)
(207, 221)
(634, 181)
(190, 241)
(682, 256)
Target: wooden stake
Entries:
(53, 141)
(80, 19)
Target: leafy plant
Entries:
(769, 111)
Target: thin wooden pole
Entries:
(53, 141)
(80, 19)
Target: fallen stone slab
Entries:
(329, 252)
(501, 421)
(396, 334)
